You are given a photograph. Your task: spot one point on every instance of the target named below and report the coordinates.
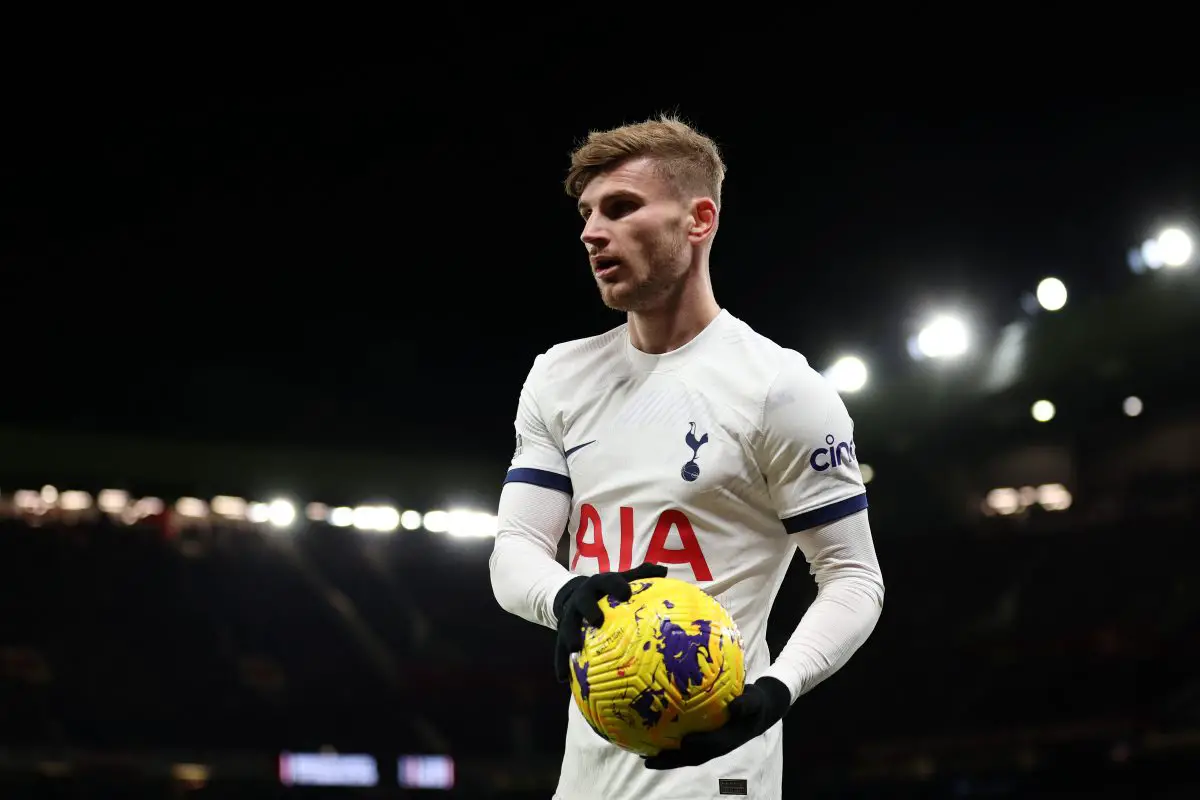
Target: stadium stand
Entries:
(223, 642)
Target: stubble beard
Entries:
(663, 277)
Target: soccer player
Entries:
(681, 442)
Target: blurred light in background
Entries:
(470, 524)
(945, 336)
(1172, 248)
(1003, 501)
(848, 374)
(1043, 411)
(1175, 247)
(1052, 294)
(370, 518)
(1008, 501)
(112, 501)
(383, 519)
(436, 521)
(1054, 497)
(191, 507)
(281, 513)
(1132, 406)
(230, 507)
(75, 501)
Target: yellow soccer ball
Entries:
(664, 664)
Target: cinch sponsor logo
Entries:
(833, 455)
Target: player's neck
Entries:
(676, 322)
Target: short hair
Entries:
(683, 156)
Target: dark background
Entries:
(328, 285)
(329, 240)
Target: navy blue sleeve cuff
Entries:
(540, 477)
(825, 514)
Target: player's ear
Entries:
(703, 219)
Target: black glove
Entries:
(579, 600)
(760, 705)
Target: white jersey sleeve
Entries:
(535, 505)
(811, 465)
(849, 601)
(539, 457)
(807, 451)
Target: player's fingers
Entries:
(736, 708)
(595, 618)
(571, 632)
(750, 702)
(592, 614)
(617, 587)
(690, 753)
(647, 570)
(605, 589)
(668, 760)
(574, 639)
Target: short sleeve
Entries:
(807, 449)
(537, 458)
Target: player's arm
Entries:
(824, 511)
(817, 487)
(535, 505)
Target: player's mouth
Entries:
(605, 267)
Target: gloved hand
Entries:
(760, 705)
(579, 600)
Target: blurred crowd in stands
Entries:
(1013, 658)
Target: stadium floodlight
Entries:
(436, 521)
(281, 513)
(1175, 247)
(1004, 501)
(1054, 497)
(945, 336)
(1052, 294)
(381, 519)
(1172, 248)
(848, 374)
(1043, 411)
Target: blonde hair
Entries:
(684, 157)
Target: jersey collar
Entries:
(664, 362)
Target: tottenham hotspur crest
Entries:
(691, 470)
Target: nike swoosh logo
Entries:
(577, 447)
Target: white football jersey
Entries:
(703, 459)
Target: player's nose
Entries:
(593, 236)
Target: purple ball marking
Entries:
(681, 653)
(581, 675)
(649, 705)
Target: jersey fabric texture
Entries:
(703, 459)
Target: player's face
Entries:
(636, 232)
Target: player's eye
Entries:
(621, 207)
